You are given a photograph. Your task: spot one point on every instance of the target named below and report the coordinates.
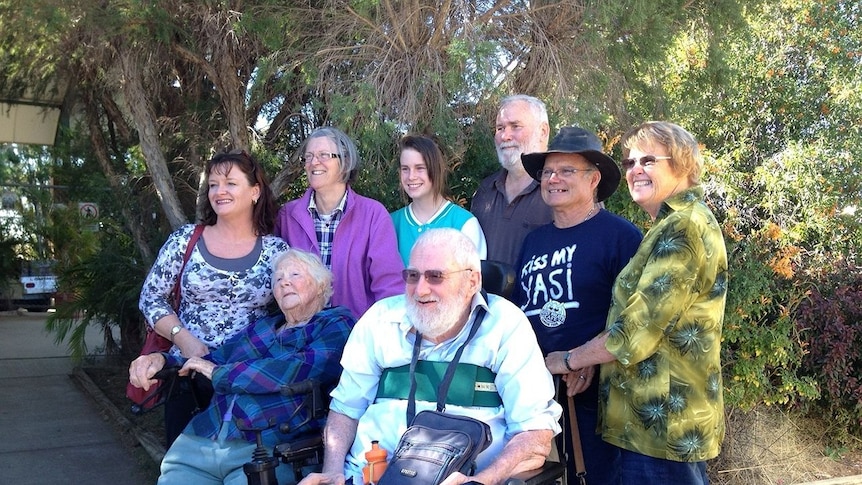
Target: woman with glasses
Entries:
(423, 173)
(352, 234)
(226, 283)
(662, 403)
(567, 269)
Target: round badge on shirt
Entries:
(553, 314)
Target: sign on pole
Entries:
(88, 210)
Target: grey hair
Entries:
(348, 155)
(537, 106)
(451, 242)
(319, 273)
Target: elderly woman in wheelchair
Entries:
(304, 342)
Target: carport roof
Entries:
(30, 119)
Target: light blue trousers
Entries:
(193, 460)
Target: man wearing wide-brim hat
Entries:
(567, 269)
(575, 140)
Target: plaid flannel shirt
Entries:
(325, 228)
(252, 367)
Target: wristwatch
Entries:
(175, 331)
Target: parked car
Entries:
(38, 286)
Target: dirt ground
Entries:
(768, 446)
(762, 447)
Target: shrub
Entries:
(830, 319)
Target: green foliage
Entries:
(100, 289)
(10, 266)
(479, 160)
(29, 168)
(779, 171)
(762, 348)
(29, 31)
(780, 227)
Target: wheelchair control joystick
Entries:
(305, 450)
(261, 469)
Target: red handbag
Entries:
(147, 400)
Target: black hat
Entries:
(573, 139)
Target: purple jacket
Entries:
(366, 265)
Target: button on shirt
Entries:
(325, 227)
(505, 223)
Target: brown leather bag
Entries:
(142, 400)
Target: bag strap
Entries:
(580, 469)
(450, 371)
(193, 240)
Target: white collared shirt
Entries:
(504, 343)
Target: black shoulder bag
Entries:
(437, 444)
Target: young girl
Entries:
(423, 179)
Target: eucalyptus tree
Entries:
(156, 86)
(164, 83)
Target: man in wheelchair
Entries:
(301, 343)
(511, 391)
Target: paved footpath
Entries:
(50, 431)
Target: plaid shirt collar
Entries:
(339, 209)
(325, 227)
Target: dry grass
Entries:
(767, 446)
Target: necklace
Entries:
(421, 215)
(564, 225)
(590, 213)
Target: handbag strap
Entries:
(580, 468)
(450, 371)
(196, 234)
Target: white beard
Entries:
(510, 160)
(434, 322)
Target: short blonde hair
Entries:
(684, 151)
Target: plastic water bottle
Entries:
(375, 459)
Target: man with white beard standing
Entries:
(441, 304)
(508, 203)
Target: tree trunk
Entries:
(231, 90)
(144, 118)
(104, 159)
(222, 72)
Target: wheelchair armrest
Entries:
(315, 400)
(300, 449)
(550, 472)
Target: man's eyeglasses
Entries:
(321, 157)
(432, 276)
(645, 161)
(563, 173)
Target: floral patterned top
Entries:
(215, 304)
(662, 396)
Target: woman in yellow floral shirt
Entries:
(661, 391)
